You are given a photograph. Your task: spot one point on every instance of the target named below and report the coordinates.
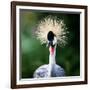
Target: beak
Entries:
(50, 43)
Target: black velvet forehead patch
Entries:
(50, 36)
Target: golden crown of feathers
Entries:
(57, 26)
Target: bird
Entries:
(52, 32)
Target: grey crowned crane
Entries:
(52, 32)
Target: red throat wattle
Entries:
(52, 50)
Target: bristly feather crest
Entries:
(57, 26)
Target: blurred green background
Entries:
(33, 54)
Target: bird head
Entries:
(52, 41)
(51, 31)
(51, 37)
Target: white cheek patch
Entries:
(55, 41)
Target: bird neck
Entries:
(52, 61)
(52, 55)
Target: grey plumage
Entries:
(42, 71)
